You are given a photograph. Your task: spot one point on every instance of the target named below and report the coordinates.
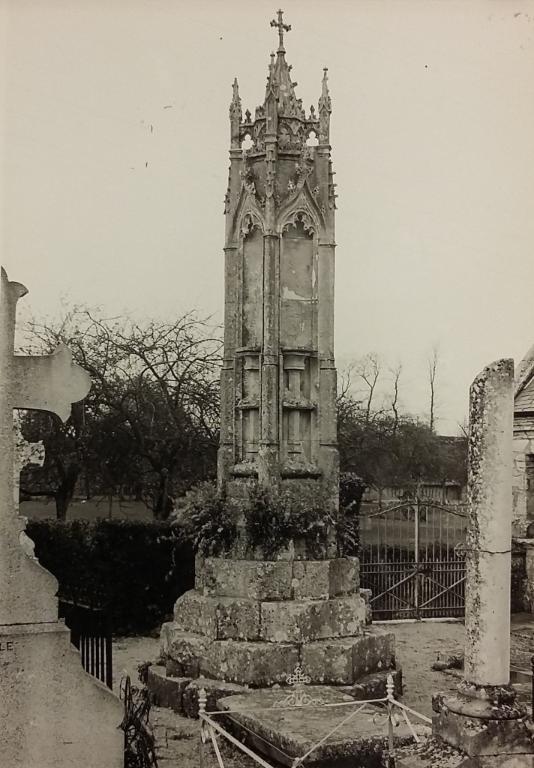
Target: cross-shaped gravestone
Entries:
(48, 383)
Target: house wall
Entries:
(523, 456)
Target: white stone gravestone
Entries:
(52, 713)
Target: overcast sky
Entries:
(114, 160)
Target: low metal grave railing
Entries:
(387, 713)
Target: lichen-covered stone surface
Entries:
(215, 690)
(374, 685)
(344, 661)
(484, 736)
(166, 691)
(488, 546)
(306, 620)
(483, 719)
(252, 622)
(285, 734)
(218, 618)
(273, 580)
(247, 663)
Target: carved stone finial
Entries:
(235, 115)
(325, 101)
(281, 27)
(325, 108)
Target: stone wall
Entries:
(520, 589)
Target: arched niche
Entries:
(252, 283)
(298, 283)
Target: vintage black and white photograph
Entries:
(266, 384)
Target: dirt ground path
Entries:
(418, 644)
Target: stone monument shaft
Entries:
(484, 720)
(488, 561)
(278, 417)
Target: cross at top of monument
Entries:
(281, 27)
(280, 105)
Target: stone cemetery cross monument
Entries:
(278, 384)
(251, 620)
(52, 713)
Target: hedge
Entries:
(136, 569)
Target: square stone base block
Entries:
(277, 580)
(285, 734)
(279, 621)
(479, 737)
(339, 661)
(53, 714)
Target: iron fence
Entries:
(91, 634)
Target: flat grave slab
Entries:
(283, 734)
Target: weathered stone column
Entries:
(488, 557)
(226, 452)
(484, 719)
(269, 452)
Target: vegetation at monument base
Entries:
(274, 519)
(149, 426)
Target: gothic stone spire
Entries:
(278, 381)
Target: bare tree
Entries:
(150, 422)
(396, 373)
(433, 363)
(368, 369)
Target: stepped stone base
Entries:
(249, 624)
(181, 693)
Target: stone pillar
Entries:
(484, 719)
(268, 458)
(488, 559)
(328, 458)
(226, 452)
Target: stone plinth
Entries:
(41, 674)
(480, 727)
(250, 623)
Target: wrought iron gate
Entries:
(412, 559)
